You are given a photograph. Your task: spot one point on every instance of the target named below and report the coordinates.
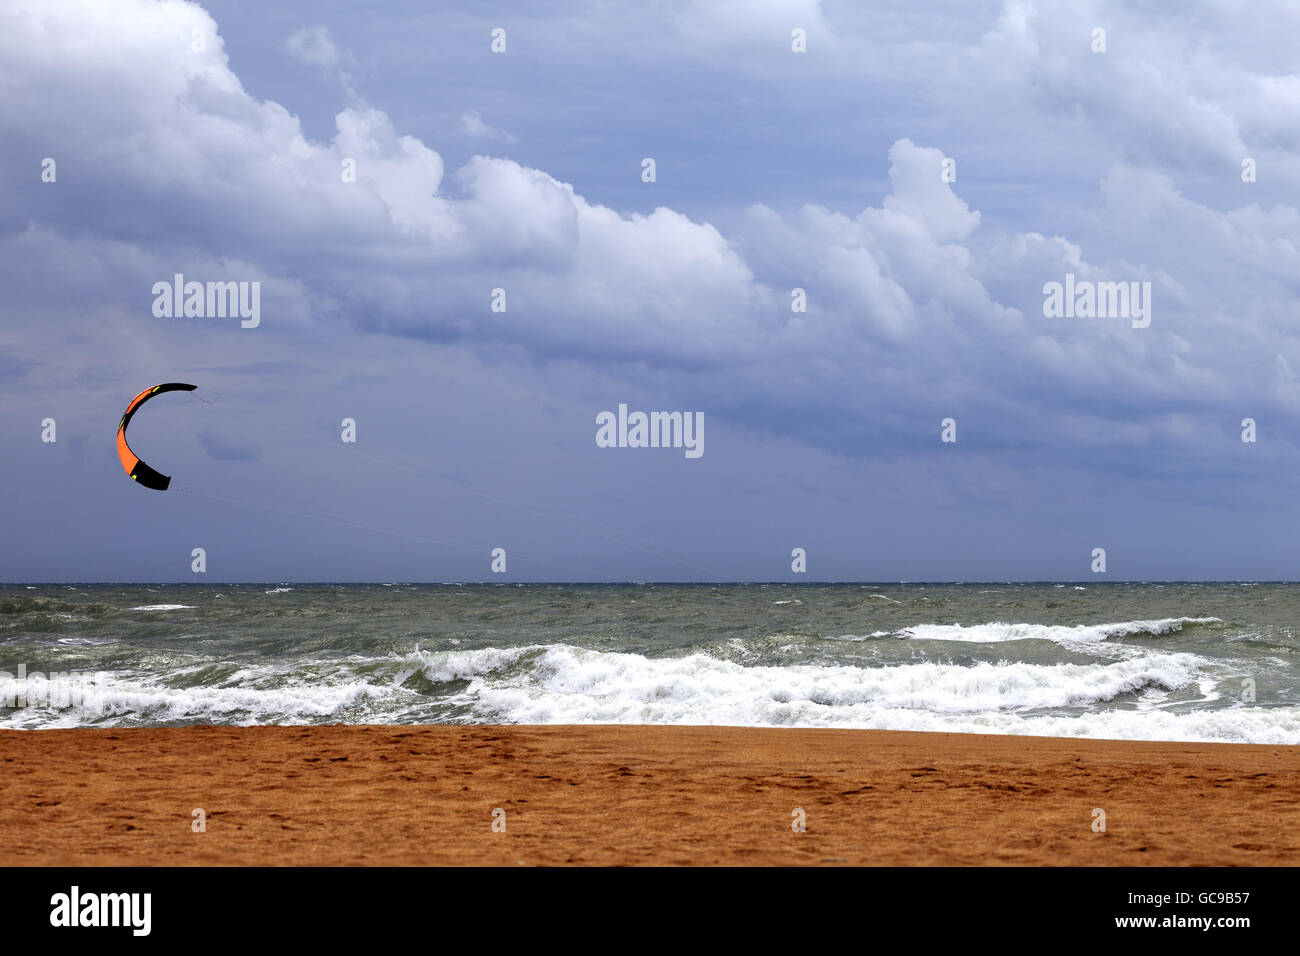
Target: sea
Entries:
(1130, 661)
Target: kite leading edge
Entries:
(137, 469)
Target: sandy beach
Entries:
(635, 795)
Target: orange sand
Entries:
(636, 795)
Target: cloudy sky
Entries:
(214, 141)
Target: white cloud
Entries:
(914, 304)
(314, 46)
(471, 124)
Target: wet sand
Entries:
(636, 795)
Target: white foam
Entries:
(560, 683)
(999, 631)
(463, 665)
(162, 607)
(563, 684)
(104, 699)
(1150, 695)
(1241, 724)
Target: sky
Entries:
(921, 172)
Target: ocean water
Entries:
(1195, 662)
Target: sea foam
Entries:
(999, 631)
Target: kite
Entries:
(137, 469)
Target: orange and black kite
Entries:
(133, 465)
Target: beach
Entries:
(650, 724)
(635, 795)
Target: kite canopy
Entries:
(130, 461)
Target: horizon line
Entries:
(630, 583)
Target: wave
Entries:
(998, 631)
(1147, 697)
(101, 699)
(46, 605)
(565, 684)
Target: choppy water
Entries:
(1132, 661)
